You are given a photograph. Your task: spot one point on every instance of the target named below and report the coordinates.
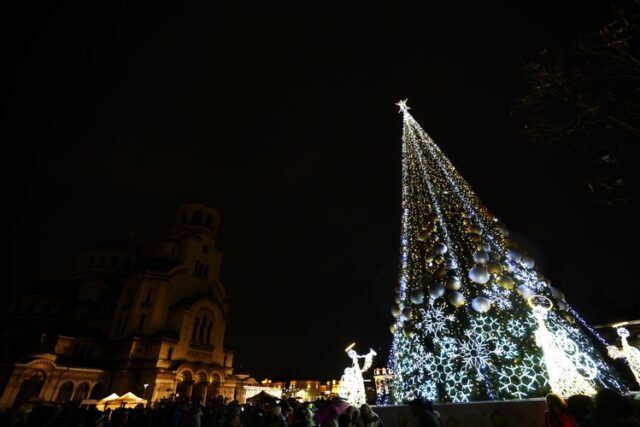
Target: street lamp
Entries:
(144, 395)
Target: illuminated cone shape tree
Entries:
(474, 320)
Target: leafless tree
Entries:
(586, 100)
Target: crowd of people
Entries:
(607, 409)
(215, 413)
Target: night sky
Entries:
(284, 120)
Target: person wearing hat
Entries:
(276, 419)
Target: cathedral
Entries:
(126, 320)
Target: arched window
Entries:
(194, 332)
(209, 330)
(81, 392)
(65, 392)
(97, 391)
(203, 324)
(196, 218)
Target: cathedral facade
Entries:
(126, 320)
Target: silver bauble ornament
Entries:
(456, 299)
(557, 293)
(405, 314)
(453, 283)
(514, 255)
(450, 264)
(481, 304)
(528, 262)
(562, 305)
(481, 257)
(417, 296)
(479, 274)
(525, 291)
(494, 256)
(436, 290)
(440, 248)
(502, 230)
(434, 237)
(484, 246)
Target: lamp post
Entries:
(144, 394)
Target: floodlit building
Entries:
(126, 320)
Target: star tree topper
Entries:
(403, 105)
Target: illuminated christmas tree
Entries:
(474, 319)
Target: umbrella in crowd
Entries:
(331, 410)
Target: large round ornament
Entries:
(392, 329)
(440, 273)
(481, 257)
(438, 259)
(474, 229)
(434, 237)
(528, 262)
(405, 314)
(481, 304)
(506, 281)
(557, 293)
(502, 230)
(451, 264)
(456, 299)
(484, 246)
(514, 255)
(397, 299)
(475, 238)
(436, 290)
(429, 257)
(453, 283)
(407, 329)
(493, 267)
(479, 274)
(417, 296)
(395, 311)
(494, 256)
(440, 249)
(525, 291)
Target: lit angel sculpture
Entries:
(628, 352)
(352, 384)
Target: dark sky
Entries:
(284, 119)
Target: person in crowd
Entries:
(579, 407)
(276, 419)
(611, 410)
(557, 414)
(423, 411)
(368, 418)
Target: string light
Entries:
(474, 337)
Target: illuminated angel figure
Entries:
(628, 352)
(352, 383)
(564, 378)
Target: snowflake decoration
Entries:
(506, 349)
(439, 367)
(428, 390)
(519, 381)
(459, 387)
(434, 321)
(475, 355)
(499, 296)
(516, 328)
(448, 346)
(486, 327)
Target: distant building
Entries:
(382, 378)
(125, 321)
(303, 389)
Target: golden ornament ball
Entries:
(494, 267)
(456, 299)
(475, 238)
(423, 235)
(506, 281)
(440, 273)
